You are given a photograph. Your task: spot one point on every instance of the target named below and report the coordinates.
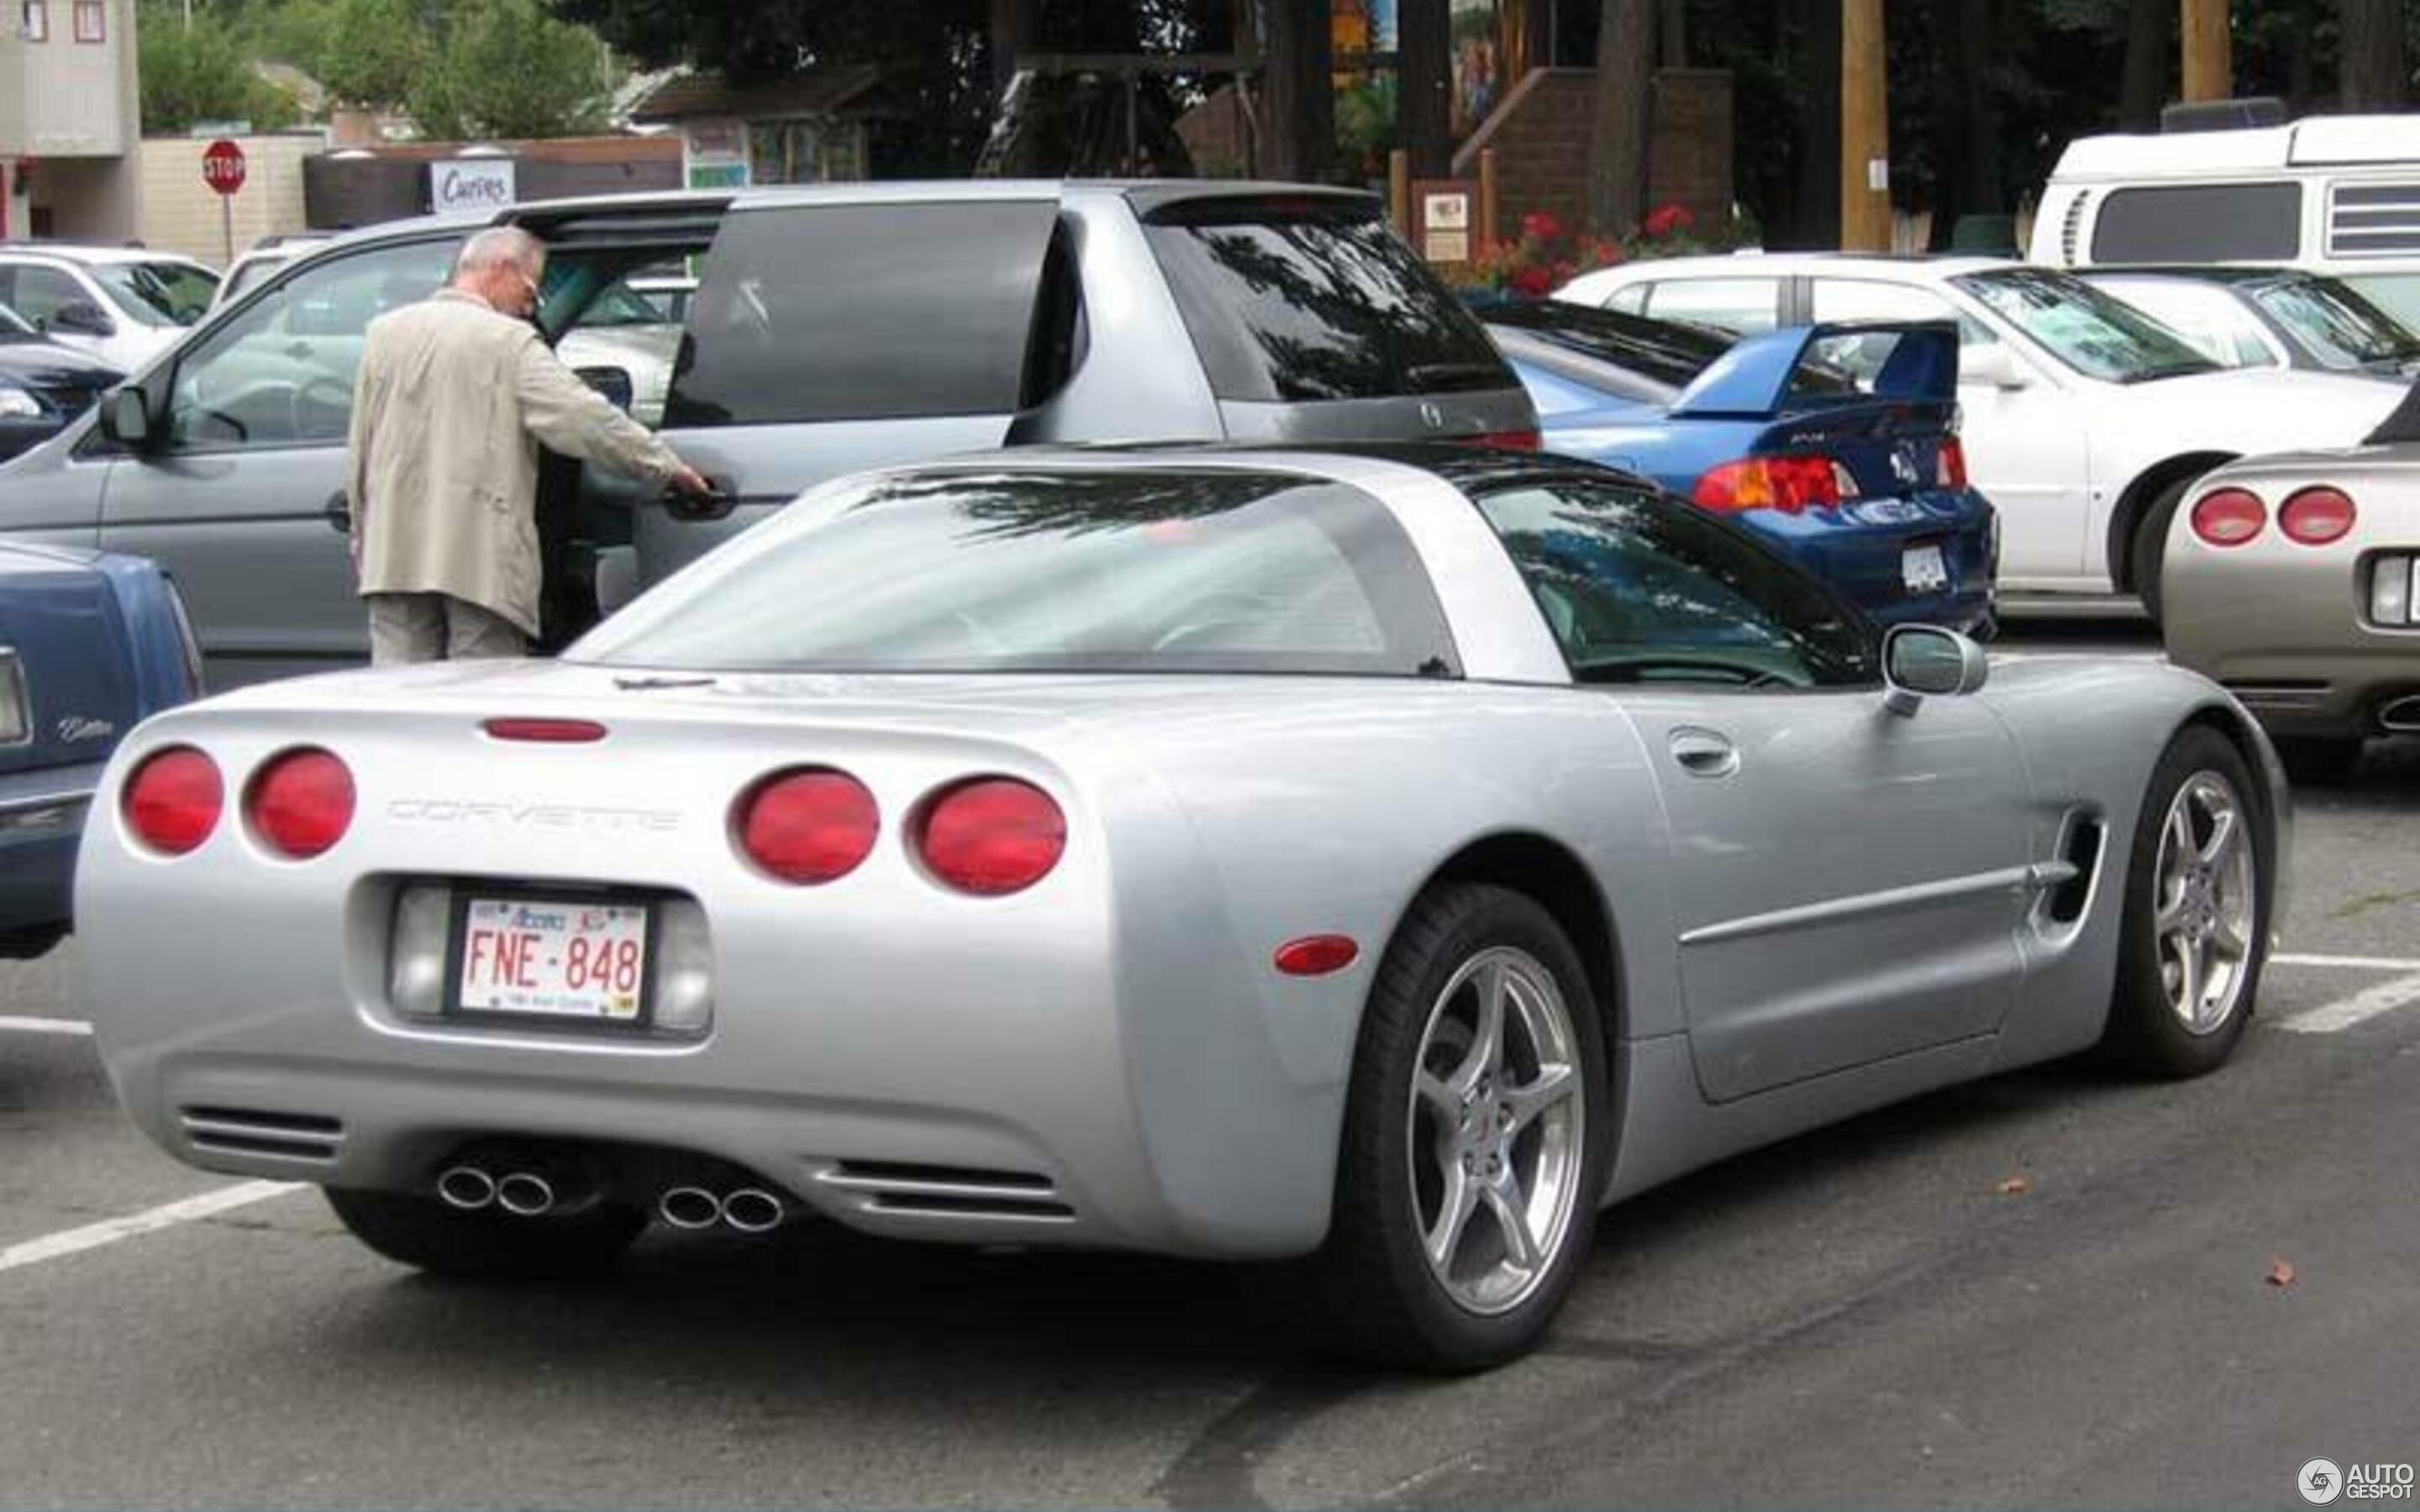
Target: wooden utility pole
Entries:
(2210, 63)
(1865, 130)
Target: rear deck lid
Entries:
(67, 685)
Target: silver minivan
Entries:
(833, 328)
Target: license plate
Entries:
(553, 958)
(1924, 571)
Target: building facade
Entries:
(71, 122)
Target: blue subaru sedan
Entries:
(1839, 442)
(91, 643)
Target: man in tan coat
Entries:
(457, 393)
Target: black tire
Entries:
(2147, 550)
(1369, 1292)
(2145, 1034)
(2319, 761)
(488, 1244)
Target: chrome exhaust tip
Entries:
(753, 1209)
(466, 1187)
(525, 1194)
(689, 1207)
(2402, 716)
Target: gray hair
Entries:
(499, 246)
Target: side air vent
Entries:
(901, 1189)
(252, 1132)
(2081, 849)
(2071, 227)
(2374, 221)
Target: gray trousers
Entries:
(407, 627)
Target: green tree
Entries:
(203, 73)
(368, 53)
(506, 69)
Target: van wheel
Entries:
(1475, 1138)
(487, 1244)
(2148, 549)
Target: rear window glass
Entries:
(1153, 571)
(2200, 222)
(1315, 300)
(861, 312)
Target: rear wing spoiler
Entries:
(1760, 376)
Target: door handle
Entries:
(339, 511)
(715, 505)
(1703, 753)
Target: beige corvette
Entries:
(2294, 579)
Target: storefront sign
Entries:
(484, 184)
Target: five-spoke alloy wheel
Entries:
(1475, 1139)
(2197, 918)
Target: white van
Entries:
(2336, 193)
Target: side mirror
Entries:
(80, 318)
(1993, 364)
(125, 416)
(613, 382)
(1922, 661)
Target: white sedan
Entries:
(2084, 420)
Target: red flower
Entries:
(1665, 220)
(1540, 227)
(1535, 282)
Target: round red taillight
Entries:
(2229, 516)
(301, 803)
(2315, 516)
(808, 827)
(991, 836)
(172, 802)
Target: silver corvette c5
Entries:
(2295, 582)
(1379, 860)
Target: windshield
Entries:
(158, 294)
(2342, 328)
(2095, 334)
(1155, 571)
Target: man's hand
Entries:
(688, 480)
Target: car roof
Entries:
(76, 253)
(2195, 273)
(1903, 268)
(1144, 194)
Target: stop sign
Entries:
(223, 167)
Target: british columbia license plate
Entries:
(553, 958)
(1923, 570)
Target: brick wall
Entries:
(180, 212)
(1539, 135)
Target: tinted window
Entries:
(1741, 305)
(1317, 299)
(861, 312)
(1171, 570)
(1663, 354)
(2200, 222)
(2342, 328)
(281, 373)
(158, 294)
(40, 294)
(1637, 588)
(2098, 335)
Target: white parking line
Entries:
(2365, 1005)
(92, 1236)
(2347, 962)
(23, 1026)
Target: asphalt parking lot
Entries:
(2050, 1288)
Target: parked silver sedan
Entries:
(1380, 859)
(2295, 582)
